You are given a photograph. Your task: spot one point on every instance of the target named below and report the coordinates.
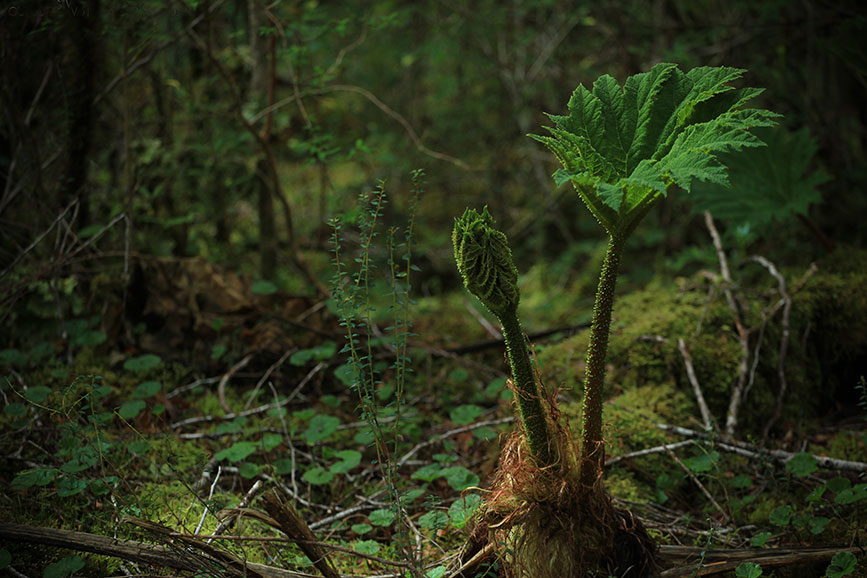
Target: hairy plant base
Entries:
(544, 524)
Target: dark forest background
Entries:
(171, 174)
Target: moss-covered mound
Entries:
(826, 351)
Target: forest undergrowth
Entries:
(349, 437)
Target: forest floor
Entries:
(217, 421)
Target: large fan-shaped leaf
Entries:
(773, 183)
(623, 148)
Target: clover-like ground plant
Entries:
(623, 148)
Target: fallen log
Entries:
(171, 556)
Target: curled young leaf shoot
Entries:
(623, 149)
(485, 262)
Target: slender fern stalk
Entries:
(529, 403)
(624, 148)
(592, 450)
(485, 262)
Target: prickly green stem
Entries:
(529, 403)
(592, 450)
(485, 263)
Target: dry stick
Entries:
(784, 342)
(249, 412)
(719, 561)
(482, 555)
(743, 334)
(450, 433)
(648, 451)
(266, 375)
(230, 521)
(487, 325)
(287, 437)
(92, 239)
(291, 524)
(410, 131)
(192, 385)
(698, 483)
(273, 523)
(221, 387)
(210, 497)
(9, 194)
(211, 559)
(39, 238)
(134, 551)
(751, 451)
(132, 68)
(693, 380)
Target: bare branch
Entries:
(754, 452)
(410, 131)
(743, 334)
(693, 380)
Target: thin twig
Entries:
(750, 451)
(698, 483)
(38, 239)
(8, 195)
(347, 49)
(230, 521)
(210, 497)
(693, 380)
(451, 433)
(487, 325)
(742, 333)
(193, 385)
(410, 131)
(266, 375)
(221, 387)
(132, 68)
(784, 342)
(249, 412)
(647, 452)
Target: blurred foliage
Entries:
(151, 109)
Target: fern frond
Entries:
(772, 183)
(625, 147)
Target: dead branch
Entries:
(693, 380)
(221, 387)
(698, 483)
(784, 342)
(719, 561)
(255, 410)
(133, 551)
(742, 332)
(291, 524)
(647, 452)
(410, 131)
(754, 452)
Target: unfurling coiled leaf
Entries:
(485, 262)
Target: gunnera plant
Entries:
(623, 149)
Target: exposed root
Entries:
(543, 524)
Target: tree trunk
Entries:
(264, 184)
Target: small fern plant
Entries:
(623, 149)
